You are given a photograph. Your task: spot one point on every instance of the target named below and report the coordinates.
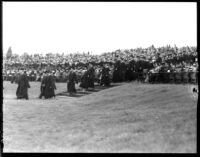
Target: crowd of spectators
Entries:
(124, 65)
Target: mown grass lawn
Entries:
(133, 117)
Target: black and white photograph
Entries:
(99, 77)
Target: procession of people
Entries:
(152, 65)
(48, 86)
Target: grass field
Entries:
(133, 117)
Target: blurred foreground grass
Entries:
(133, 118)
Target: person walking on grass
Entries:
(105, 77)
(23, 85)
(47, 86)
(91, 76)
(84, 80)
(72, 79)
(42, 87)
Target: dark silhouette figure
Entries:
(23, 85)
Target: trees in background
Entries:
(9, 53)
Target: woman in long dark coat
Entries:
(53, 80)
(84, 80)
(23, 85)
(117, 74)
(42, 85)
(105, 77)
(48, 87)
(91, 76)
(71, 82)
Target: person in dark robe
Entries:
(123, 71)
(91, 76)
(42, 85)
(117, 75)
(128, 75)
(23, 85)
(52, 85)
(49, 86)
(161, 73)
(72, 79)
(53, 80)
(105, 77)
(139, 70)
(114, 78)
(84, 80)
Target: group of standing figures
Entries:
(87, 79)
(48, 87)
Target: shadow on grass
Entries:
(81, 93)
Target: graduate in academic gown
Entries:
(49, 86)
(53, 80)
(91, 76)
(42, 87)
(84, 80)
(72, 79)
(23, 85)
(105, 77)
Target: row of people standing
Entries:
(131, 71)
(48, 86)
(121, 73)
(88, 79)
(86, 82)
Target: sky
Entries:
(97, 27)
